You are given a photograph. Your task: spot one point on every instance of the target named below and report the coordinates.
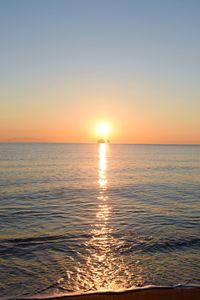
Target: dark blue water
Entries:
(78, 218)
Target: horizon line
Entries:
(114, 143)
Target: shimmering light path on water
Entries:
(97, 217)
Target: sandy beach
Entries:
(157, 293)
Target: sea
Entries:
(79, 218)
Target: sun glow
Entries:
(103, 129)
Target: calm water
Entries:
(91, 217)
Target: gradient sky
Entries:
(65, 65)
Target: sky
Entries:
(66, 65)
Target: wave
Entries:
(70, 242)
(17, 246)
(122, 292)
(163, 246)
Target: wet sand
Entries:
(158, 293)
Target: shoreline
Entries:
(146, 293)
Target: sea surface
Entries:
(86, 217)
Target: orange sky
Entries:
(139, 118)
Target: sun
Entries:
(103, 129)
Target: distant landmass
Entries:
(103, 141)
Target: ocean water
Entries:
(86, 217)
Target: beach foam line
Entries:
(143, 293)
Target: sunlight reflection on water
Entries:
(104, 268)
